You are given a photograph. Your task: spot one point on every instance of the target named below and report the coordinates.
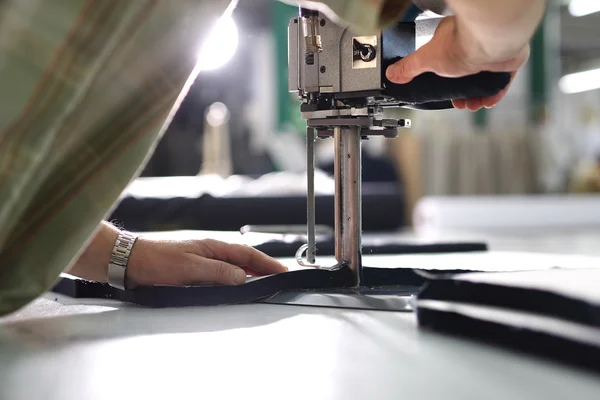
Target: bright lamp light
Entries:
(580, 82)
(579, 8)
(220, 46)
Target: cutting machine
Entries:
(339, 76)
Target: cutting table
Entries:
(62, 348)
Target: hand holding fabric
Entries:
(190, 262)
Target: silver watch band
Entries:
(117, 265)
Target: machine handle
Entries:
(432, 88)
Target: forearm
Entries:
(500, 28)
(92, 264)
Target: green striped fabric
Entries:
(86, 89)
(364, 16)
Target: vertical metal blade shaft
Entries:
(337, 206)
(310, 172)
(348, 199)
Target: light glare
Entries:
(220, 46)
(579, 8)
(580, 82)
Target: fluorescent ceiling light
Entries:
(580, 82)
(220, 46)
(579, 8)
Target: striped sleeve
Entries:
(87, 88)
(365, 16)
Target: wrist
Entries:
(478, 49)
(120, 258)
(92, 263)
(501, 29)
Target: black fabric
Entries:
(535, 293)
(383, 210)
(429, 90)
(405, 278)
(402, 276)
(374, 169)
(512, 337)
(527, 300)
(561, 296)
(170, 296)
(82, 289)
(253, 291)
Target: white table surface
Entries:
(60, 348)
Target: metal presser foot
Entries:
(348, 127)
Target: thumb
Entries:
(433, 56)
(410, 66)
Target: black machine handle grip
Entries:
(432, 88)
(428, 90)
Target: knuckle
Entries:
(403, 67)
(222, 270)
(244, 249)
(203, 247)
(184, 272)
(250, 251)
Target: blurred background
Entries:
(235, 152)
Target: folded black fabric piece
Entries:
(553, 313)
(513, 337)
(252, 291)
(407, 279)
(537, 292)
(82, 289)
(255, 290)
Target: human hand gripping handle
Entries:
(448, 67)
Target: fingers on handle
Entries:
(459, 104)
(491, 101)
(487, 102)
(474, 104)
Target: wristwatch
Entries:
(117, 265)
